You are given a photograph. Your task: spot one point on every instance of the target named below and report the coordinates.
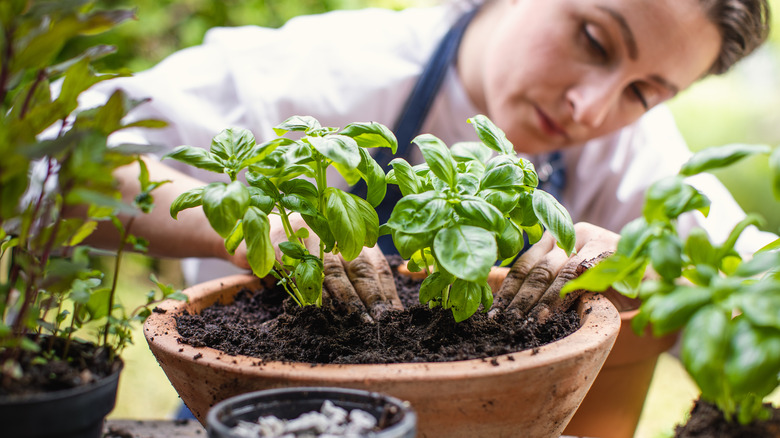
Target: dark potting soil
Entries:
(321, 335)
(84, 364)
(707, 421)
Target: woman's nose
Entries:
(592, 100)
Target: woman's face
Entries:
(561, 72)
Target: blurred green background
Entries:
(742, 106)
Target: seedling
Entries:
(466, 208)
(727, 307)
(279, 175)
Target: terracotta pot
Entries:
(614, 403)
(529, 393)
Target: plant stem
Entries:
(321, 178)
(114, 281)
(292, 290)
(38, 79)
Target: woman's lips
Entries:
(549, 126)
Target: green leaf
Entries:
(370, 219)
(82, 233)
(371, 135)
(467, 251)
(666, 256)
(299, 187)
(297, 123)
(259, 199)
(293, 250)
(233, 145)
(97, 305)
(761, 307)
(308, 277)
(299, 204)
(196, 157)
(341, 210)
(234, 238)
(670, 197)
(374, 176)
(555, 219)
(754, 362)
(407, 244)
(260, 181)
(478, 212)
(699, 249)
(438, 157)
(338, 148)
(716, 157)
(421, 213)
(673, 310)
(608, 271)
(471, 151)
(491, 135)
(319, 225)
(774, 166)
(705, 343)
(405, 177)
(189, 199)
(728, 246)
(759, 264)
(465, 298)
(509, 240)
(433, 285)
(502, 173)
(504, 200)
(224, 204)
(260, 252)
(260, 151)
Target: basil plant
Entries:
(727, 307)
(286, 176)
(465, 209)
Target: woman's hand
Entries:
(532, 287)
(363, 285)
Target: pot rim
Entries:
(407, 422)
(600, 324)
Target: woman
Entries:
(584, 78)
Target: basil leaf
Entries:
(308, 277)
(674, 309)
(341, 210)
(299, 204)
(478, 212)
(405, 177)
(370, 220)
(666, 256)
(224, 204)
(433, 285)
(491, 135)
(300, 187)
(501, 173)
(407, 243)
(196, 157)
(371, 135)
(374, 176)
(555, 219)
(471, 151)
(752, 367)
(717, 157)
(233, 144)
(420, 213)
(235, 237)
(297, 123)
(468, 251)
(438, 157)
(293, 249)
(465, 298)
(189, 199)
(510, 241)
(705, 343)
(340, 149)
(260, 252)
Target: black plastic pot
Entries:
(290, 403)
(76, 412)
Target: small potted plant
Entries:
(547, 381)
(725, 305)
(53, 383)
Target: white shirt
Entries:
(357, 66)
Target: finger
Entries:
(364, 278)
(385, 276)
(551, 302)
(518, 273)
(338, 286)
(538, 281)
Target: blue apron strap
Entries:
(413, 115)
(552, 175)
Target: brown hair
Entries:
(743, 25)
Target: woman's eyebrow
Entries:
(633, 50)
(625, 30)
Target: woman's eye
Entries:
(593, 44)
(639, 95)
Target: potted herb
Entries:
(52, 382)
(536, 390)
(725, 305)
